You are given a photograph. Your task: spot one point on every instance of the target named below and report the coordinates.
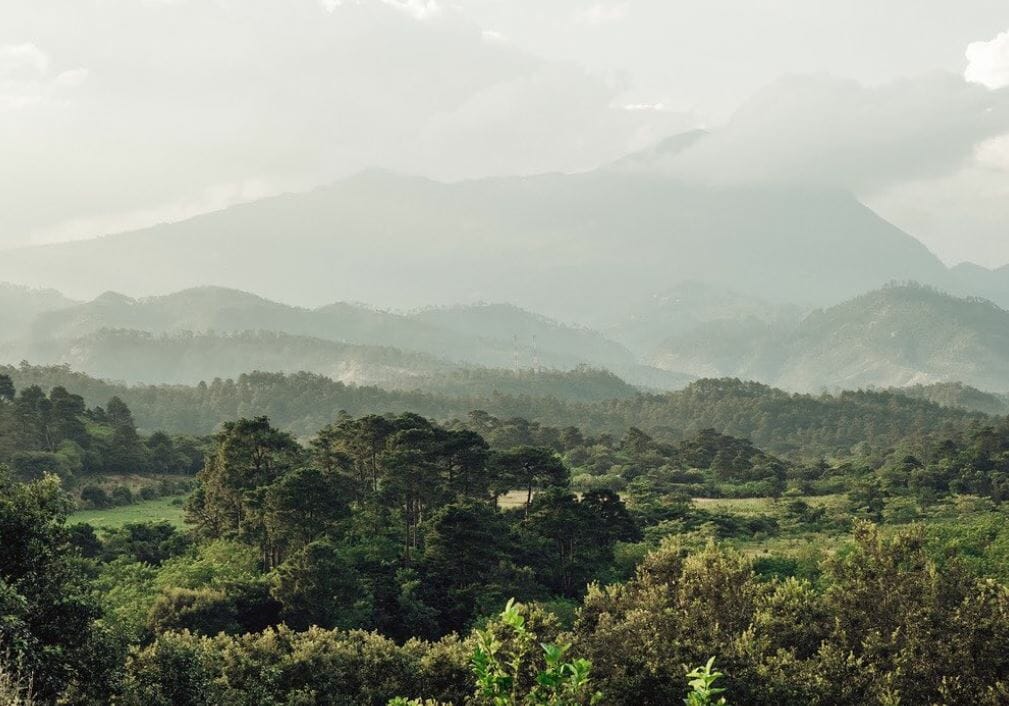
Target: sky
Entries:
(117, 114)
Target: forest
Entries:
(398, 558)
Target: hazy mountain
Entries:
(974, 280)
(956, 394)
(689, 306)
(184, 358)
(896, 336)
(527, 333)
(574, 247)
(487, 335)
(19, 305)
(140, 356)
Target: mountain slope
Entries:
(897, 336)
(487, 334)
(571, 246)
(19, 305)
(139, 357)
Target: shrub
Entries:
(122, 495)
(95, 497)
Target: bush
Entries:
(95, 497)
(122, 495)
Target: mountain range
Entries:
(625, 270)
(209, 332)
(898, 336)
(576, 247)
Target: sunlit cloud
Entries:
(988, 62)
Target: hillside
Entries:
(484, 335)
(573, 246)
(893, 337)
(780, 422)
(139, 356)
(19, 305)
(688, 306)
(956, 394)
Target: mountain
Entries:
(575, 247)
(136, 357)
(209, 332)
(896, 336)
(958, 395)
(689, 306)
(139, 356)
(19, 305)
(968, 279)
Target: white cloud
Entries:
(645, 106)
(211, 198)
(994, 153)
(988, 62)
(72, 77)
(25, 79)
(603, 13)
(492, 36)
(835, 132)
(418, 9)
(18, 60)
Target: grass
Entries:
(512, 499)
(162, 509)
(757, 506)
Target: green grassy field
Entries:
(162, 509)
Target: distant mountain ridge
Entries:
(209, 332)
(898, 336)
(573, 246)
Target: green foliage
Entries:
(421, 530)
(47, 616)
(16, 688)
(703, 691)
(774, 420)
(502, 667)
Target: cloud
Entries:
(829, 131)
(554, 117)
(72, 77)
(211, 198)
(21, 59)
(25, 79)
(603, 13)
(418, 9)
(290, 93)
(988, 62)
(492, 36)
(645, 106)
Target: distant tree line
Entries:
(791, 425)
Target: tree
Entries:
(319, 586)
(528, 468)
(6, 388)
(247, 455)
(301, 506)
(578, 535)
(467, 563)
(47, 613)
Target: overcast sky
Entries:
(116, 114)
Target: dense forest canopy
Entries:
(784, 423)
(367, 561)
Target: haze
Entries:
(119, 114)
